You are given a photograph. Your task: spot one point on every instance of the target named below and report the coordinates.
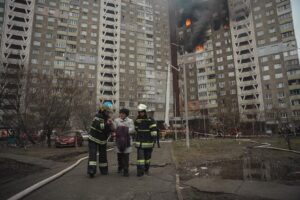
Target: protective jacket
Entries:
(99, 129)
(146, 132)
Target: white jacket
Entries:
(128, 123)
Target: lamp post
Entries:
(187, 136)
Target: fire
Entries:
(188, 22)
(199, 48)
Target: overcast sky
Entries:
(296, 14)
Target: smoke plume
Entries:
(203, 14)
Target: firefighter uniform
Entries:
(146, 133)
(98, 136)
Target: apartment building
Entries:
(144, 54)
(2, 6)
(118, 51)
(249, 64)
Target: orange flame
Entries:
(199, 48)
(188, 22)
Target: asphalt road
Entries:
(77, 185)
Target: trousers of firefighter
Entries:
(122, 129)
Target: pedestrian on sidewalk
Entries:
(124, 127)
(146, 132)
(100, 131)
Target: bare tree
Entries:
(15, 103)
(34, 101)
(55, 102)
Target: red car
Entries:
(69, 139)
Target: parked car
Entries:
(69, 138)
(3, 134)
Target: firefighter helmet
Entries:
(107, 105)
(142, 107)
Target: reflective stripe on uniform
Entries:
(147, 145)
(96, 129)
(140, 162)
(93, 163)
(147, 161)
(139, 130)
(97, 118)
(153, 126)
(153, 133)
(137, 144)
(103, 164)
(96, 140)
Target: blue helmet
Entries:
(107, 104)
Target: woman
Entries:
(124, 127)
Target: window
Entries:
(36, 43)
(280, 95)
(81, 66)
(258, 25)
(266, 77)
(264, 59)
(268, 96)
(39, 17)
(277, 66)
(33, 61)
(268, 5)
(273, 39)
(266, 68)
(272, 30)
(278, 75)
(280, 85)
(231, 74)
(220, 59)
(36, 34)
(229, 57)
(221, 76)
(222, 84)
(260, 33)
(276, 57)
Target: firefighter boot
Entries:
(91, 170)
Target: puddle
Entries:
(253, 165)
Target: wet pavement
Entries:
(77, 185)
(257, 174)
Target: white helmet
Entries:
(142, 107)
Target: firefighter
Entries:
(146, 133)
(150, 114)
(100, 130)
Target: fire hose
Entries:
(48, 180)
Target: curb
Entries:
(178, 190)
(47, 180)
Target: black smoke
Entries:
(203, 14)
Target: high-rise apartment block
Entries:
(118, 49)
(144, 54)
(249, 65)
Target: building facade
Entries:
(249, 65)
(144, 55)
(119, 51)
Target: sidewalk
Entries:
(77, 185)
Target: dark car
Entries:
(69, 139)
